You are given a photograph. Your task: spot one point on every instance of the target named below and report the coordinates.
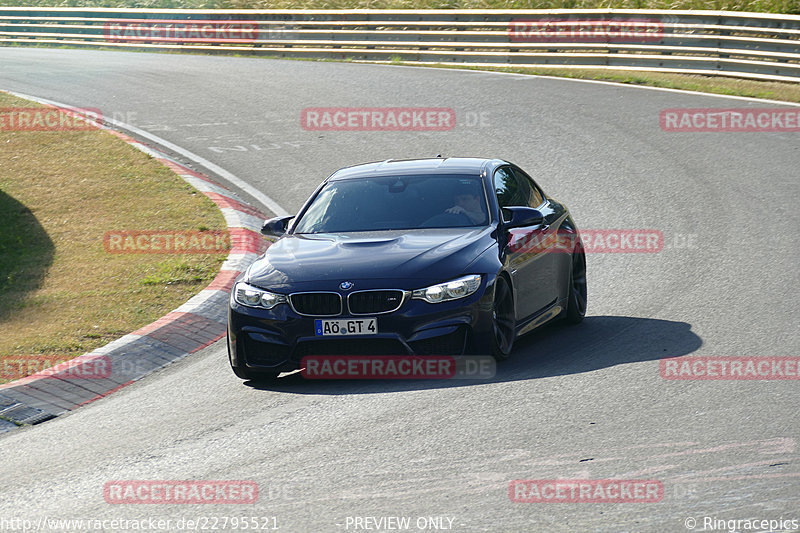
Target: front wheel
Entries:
(576, 301)
(503, 320)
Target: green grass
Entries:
(174, 271)
(26, 252)
(61, 293)
(770, 90)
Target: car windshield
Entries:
(394, 203)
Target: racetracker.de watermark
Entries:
(218, 31)
(601, 241)
(150, 523)
(585, 491)
(618, 30)
(49, 119)
(167, 242)
(378, 118)
(730, 368)
(398, 367)
(44, 366)
(180, 492)
(730, 120)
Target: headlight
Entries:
(250, 296)
(451, 290)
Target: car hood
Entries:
(430, 254)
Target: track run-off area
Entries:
(582, 402)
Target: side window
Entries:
(532, 194)
(507, 188)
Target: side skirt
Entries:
(540, 319)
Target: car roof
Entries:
(430, 166)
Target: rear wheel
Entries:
(503, 320)
(576, 302)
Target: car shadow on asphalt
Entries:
(555, 350)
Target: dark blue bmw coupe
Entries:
(442, 256)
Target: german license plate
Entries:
(341, 328)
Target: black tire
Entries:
(504, 322)
(254, 375)
(576, 301)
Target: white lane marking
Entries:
(262, 198)
(239, 219)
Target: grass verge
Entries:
(770, 90)
(61, 293)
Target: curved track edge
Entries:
(191, 327)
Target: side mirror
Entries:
(519, 217)
(275, 227)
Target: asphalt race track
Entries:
(585, 402)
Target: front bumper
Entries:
(278, 339)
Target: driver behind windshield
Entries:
(468, 202)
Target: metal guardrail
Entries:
(748, 45)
